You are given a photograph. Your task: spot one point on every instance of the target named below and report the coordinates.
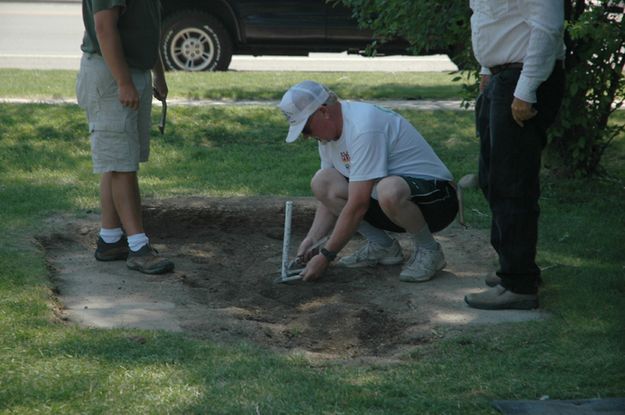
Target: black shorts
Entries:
(436, 199)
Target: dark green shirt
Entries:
(139, 27)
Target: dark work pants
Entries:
(509, 167)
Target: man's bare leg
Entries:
(427, 257)
(394, 198)
(120, 200)
(111, 244)
(108, 217)
(126, 201)
(331, 189)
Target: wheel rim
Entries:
(192, 50)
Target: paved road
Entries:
(37, 35)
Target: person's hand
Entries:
(484, 80)
(305, 251)
(315, 268)
(522, 111)
(128, 95)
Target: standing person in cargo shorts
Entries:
(120, 53)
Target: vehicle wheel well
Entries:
(217, 8)
(196, 41)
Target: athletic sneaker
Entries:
(111, 252)
(371, 254)
(148, 261)
(423, 265)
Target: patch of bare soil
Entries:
(228, 254)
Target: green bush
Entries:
(595, 38)
(430, 27)
(594, 88)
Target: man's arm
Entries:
(546, 20)
(322, 225)
(113, 54)
(346, 225)
(352, 214)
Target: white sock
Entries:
(110, 236)
(375, 235)
(137, 241)
(424, 239)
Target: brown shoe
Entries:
(499, 298)
(111, 252)
(148, 261)
(492, 280)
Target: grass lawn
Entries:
(248, 85)
(52, 367)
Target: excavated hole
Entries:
(228, 253)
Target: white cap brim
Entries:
(295, 131)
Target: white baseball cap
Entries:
(299, 103)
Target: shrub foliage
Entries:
(595, 38)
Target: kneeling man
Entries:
(377, 174)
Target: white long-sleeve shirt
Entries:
(526, 31)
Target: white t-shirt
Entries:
(377, 142)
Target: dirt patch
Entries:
(228, 253)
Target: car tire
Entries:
(195, 41)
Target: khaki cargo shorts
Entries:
(120, 136)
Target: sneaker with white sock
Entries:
(111, 251)
(423, 265)
(371, 254)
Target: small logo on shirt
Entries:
(345, 159)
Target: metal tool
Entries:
(290, 271)
(163, 121)
(286, 240)
(297, 265)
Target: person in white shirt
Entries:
(520, 46)
(377, 174)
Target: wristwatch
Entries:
(330, 256)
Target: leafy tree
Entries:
(595, 38)
(431, 27)
(595, 88)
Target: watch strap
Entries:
(330, 256)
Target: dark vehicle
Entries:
(202, 35)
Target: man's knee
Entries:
(328, 183)
(391, 192)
